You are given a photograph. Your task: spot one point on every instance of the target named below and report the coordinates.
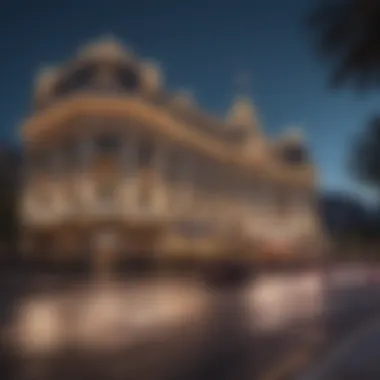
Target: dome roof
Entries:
(105, 47)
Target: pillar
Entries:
(105, 247)
(86, 185)
(160, 196)
(130, 167)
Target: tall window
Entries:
(300, 202)
(107, 143)
(126, 78)
(76, 80)
(294, 155)
(37, 161)
(174, 166)
(145, 152)
(264, 196)
(43, 160)
(283, 198)
(106, 190)
(204, 174)
(70, 154)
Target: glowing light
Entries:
(39, 328)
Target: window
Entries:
(265, 197)
(283, 201)
(145, 154)
(106, 190)
(300, 202)
(294, 155)
(70, 154)
(175, 166)
(204, 174)
(107, 143)
(127, 78)
(236, 135)
(79, 79)
(145, 199)
(42, 161)
(39, 160)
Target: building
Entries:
(117, 167)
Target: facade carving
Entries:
(109, 148)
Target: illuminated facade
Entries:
(117, 164)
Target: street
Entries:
(354, 358)
(166, 328)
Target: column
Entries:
(185, 186)
(56, 179)
(160, 196)
(105, 246)
(202, 188)
(130, 167)
(189, 170)
(173, 178)
(86, 155)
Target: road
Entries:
(184, 331)
(354, 358)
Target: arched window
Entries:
(107, 190)
(107, 143)
(294, 155)
(78, 79)
(174, 165)
(283, 198)
(265, 196)
(36, 162)
(126, 78)
(203, 173)
(300, 202)
(145, 152)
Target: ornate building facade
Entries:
(117, 164)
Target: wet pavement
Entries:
(355, 357)
(191, 331)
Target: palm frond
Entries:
(347, 32)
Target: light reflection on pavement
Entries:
(101, 315)
(188, 328)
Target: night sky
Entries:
(202, 47)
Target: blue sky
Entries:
(202, 46)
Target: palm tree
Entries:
(347, 32)
(365, 160)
